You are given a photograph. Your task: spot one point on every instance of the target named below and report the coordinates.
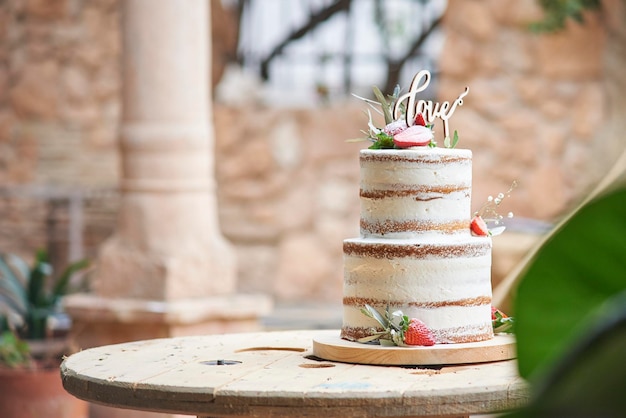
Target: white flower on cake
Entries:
(488, 214)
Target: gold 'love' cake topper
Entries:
(409, 122)
(427, 108)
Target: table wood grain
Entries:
(274, 374)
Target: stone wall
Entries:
(289, 195)
(536, 105)
(59, 92)
(59, 110)
(287, 180)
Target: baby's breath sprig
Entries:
(489, 211)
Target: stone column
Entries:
(167, 270)
(168, 244)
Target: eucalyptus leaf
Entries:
(357, 139)
(374, 314)
(455, 139)
(370, 338)
(383, 104)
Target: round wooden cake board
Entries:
(501, 347)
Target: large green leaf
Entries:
(37, 279)
(62, 285)
(582, 265)
(589, 380)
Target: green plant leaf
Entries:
(37, 279)
(557, 13)
(12, 292)
(13, 351)
(581, 266)
(61, 287)
(383, 141)
(589, 380)
(26, 300)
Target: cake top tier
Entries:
(417, 192)
(404, 150)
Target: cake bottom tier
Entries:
(446, 283)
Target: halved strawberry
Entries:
(478, 226)
(413, 136)
(418, 333)
(419, 120)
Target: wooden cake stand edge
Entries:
(501, 347)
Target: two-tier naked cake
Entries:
(417, 252)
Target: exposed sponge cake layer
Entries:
(406, 193)
(445, 282)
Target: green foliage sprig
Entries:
(13, 351)
(558, 11)
(394, 326)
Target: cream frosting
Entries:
(405, 193)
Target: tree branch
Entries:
(314, 21)
(395, 66)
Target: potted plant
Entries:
(34, 338)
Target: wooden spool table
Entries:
(275, 374)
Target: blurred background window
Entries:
(322, 50)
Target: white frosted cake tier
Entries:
(444, 281)
(407, 193)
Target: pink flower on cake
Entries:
(413, 136)
(395, 127)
